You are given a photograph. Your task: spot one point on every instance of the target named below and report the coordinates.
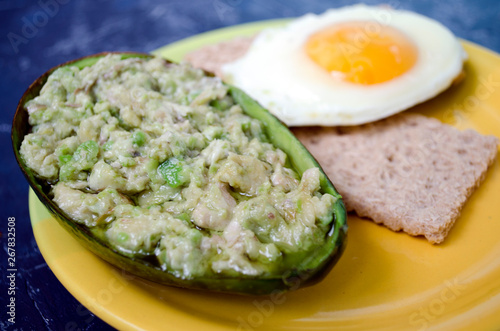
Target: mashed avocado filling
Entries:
(157, 160)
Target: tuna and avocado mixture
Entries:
(157, 160)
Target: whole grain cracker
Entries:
(212, 57)
(407, 172)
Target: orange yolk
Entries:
(362, 52)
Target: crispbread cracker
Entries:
(408, 172)
(212, 57)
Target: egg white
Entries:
(277, 72)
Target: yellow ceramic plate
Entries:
(385, 280)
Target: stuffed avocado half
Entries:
(168, 173)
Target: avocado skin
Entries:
(309, 272)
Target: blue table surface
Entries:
(37, 35)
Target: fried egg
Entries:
(348, 66)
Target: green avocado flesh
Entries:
(167, 173)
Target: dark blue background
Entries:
(37, 35)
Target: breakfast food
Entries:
(408, 172)
(384, 170)
(347, 66)
(160, 164)
(211, 58)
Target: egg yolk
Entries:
(362, 52)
